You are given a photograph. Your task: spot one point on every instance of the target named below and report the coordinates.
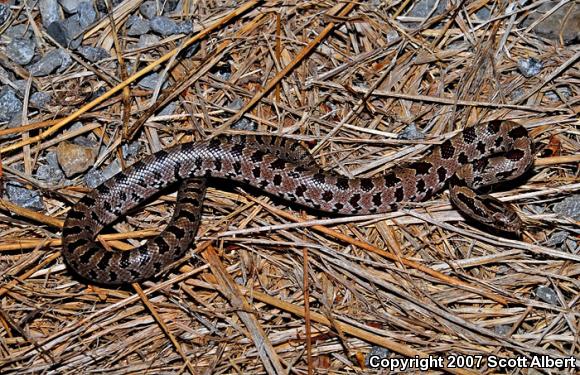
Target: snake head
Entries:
(507, 220)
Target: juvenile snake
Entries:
(478, 156)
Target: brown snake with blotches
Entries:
(479, 156)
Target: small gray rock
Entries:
(517, 93)
(98, 92)
(50, 172)
(137, 26)
(67, 33)
(569, 207)
(147, 40)
(392, 35)
(565, 21)
(148, 9)
(170, 5)
(191, 50)
(53, 60)
(4, 13)
(77, 125)
(245, 124)
(94, 177)
(411, 133)
(483, 14)
(52, 159)
(236, 104)
(10, 104)
(21, 51)
(89, 140)
(377, 352)
(557, 238)
(23, 197)
(58, 32)
(502, 329)
(93, 54)
(573, 245)
(168, 110)
(423, 8)
(111, 170)
(49, 11)
(87, 14)
(130, 150)
(547, 295)
(21, 31)
(554, 95)
(16, 120)
(223, 72)
(530, 67)
(21, 86)
(150, 81)
(40, 99)
(185, 27)
(69, 6)
(164, 26)
(73, 31)
(102, 6)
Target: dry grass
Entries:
(345, 79)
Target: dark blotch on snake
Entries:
(367, 184)
(469, 135)
(354, 200)
(420, 186)
(515, 155)
(441, 174)
(342, 183)
(518, 132)
(278, 164)
(421, 167)
(257, 156)
(391, 179)
(494, 126)
(74, 214)
(447, 150)
(400, 194)
(319, 178)
(104, 261)
(377, 199)
(300, 190)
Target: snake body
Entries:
(478, 156)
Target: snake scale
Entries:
(478, 156)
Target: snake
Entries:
(478, 156)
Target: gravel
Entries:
(21, 51)
(93, 54)
(49, 11)
(148, 9)
(10, 104)
(57, 59)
